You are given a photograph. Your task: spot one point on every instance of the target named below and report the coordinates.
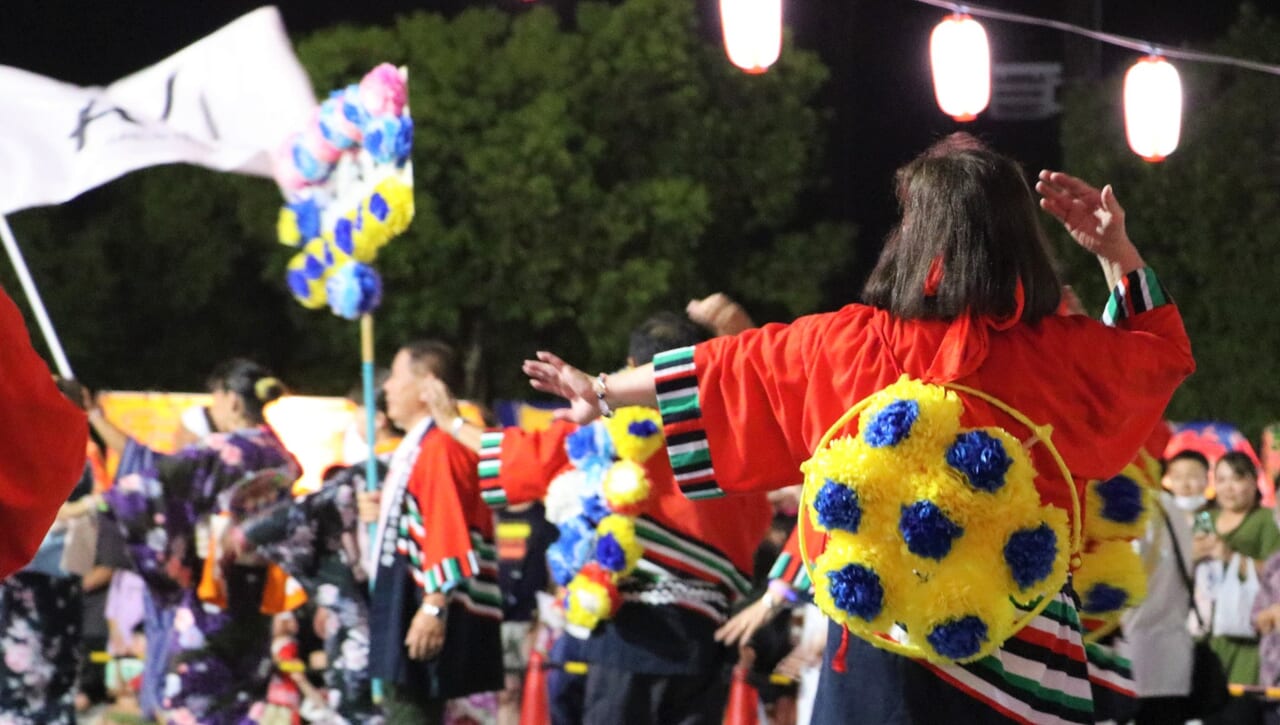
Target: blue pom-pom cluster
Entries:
(1122, 499)
(892, 424)
(927, 530)
(354, 289)
(1030, 554)
(610, 553)
(837, 507)
(958, 638)
(856, 589)
(643, 428)
(309, 167)
(981, 458)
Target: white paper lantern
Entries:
(752, 32)
(961, 60)
(1152, 108)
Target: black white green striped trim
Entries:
(683, 556)
(1137, 292)
(791, 569)
(676, 380)
(490, 470)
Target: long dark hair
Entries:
(970, 209)
(253, 383)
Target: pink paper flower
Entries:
(383, 91)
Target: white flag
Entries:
(225, 102)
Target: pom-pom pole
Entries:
(370, 434)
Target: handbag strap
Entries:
(1182, 568)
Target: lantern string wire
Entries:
(1142, 46)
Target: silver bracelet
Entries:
(601, 386)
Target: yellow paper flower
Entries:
(617, 549)
(287, 228)
(636, 432)
(1110, 579)
(1119, 507)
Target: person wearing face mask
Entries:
(1187, 477)
(1240, 526)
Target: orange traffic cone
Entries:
(744, 701)
(535, 703)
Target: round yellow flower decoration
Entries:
(933, 530)
(1118, 508)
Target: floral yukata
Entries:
(743, 413)
(214, 658)
(41, 608)
(314, 539)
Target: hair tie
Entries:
(264, 386)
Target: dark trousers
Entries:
(617, 696)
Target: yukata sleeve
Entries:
(517, 465)
(733, 408)
(1130, 370)
(42, 449)
(437, 528)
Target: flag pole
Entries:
(33, 299)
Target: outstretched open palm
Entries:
(550, 374)
(1093, 217)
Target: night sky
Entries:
(880, 93)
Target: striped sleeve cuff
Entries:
(676, 378)
(449, 573)
(490, 470)
(1138, 292)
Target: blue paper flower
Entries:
(1030, 554)
(594, 508)
(309, 167)
(352, 108)
(378, 206)
(343, 236)
(353, 290)
(334, 123)
(927, 530)
(643, 428)
(307, 214)
(313, 267)
(892, 424)
(981, 458)
(389, 138)
(1122, 499)
(571, 551)
(298, 283)
(587, 443)
(958, 638)
(856, 589)
(1103, 598)
(610, 553)
(837, 507)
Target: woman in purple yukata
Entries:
(212, 660)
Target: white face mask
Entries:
(1189, 503)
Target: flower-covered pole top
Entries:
(347, 179)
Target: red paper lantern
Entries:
(752, 32)
(961, 60)
(1152, 108)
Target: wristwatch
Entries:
(433, 610)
